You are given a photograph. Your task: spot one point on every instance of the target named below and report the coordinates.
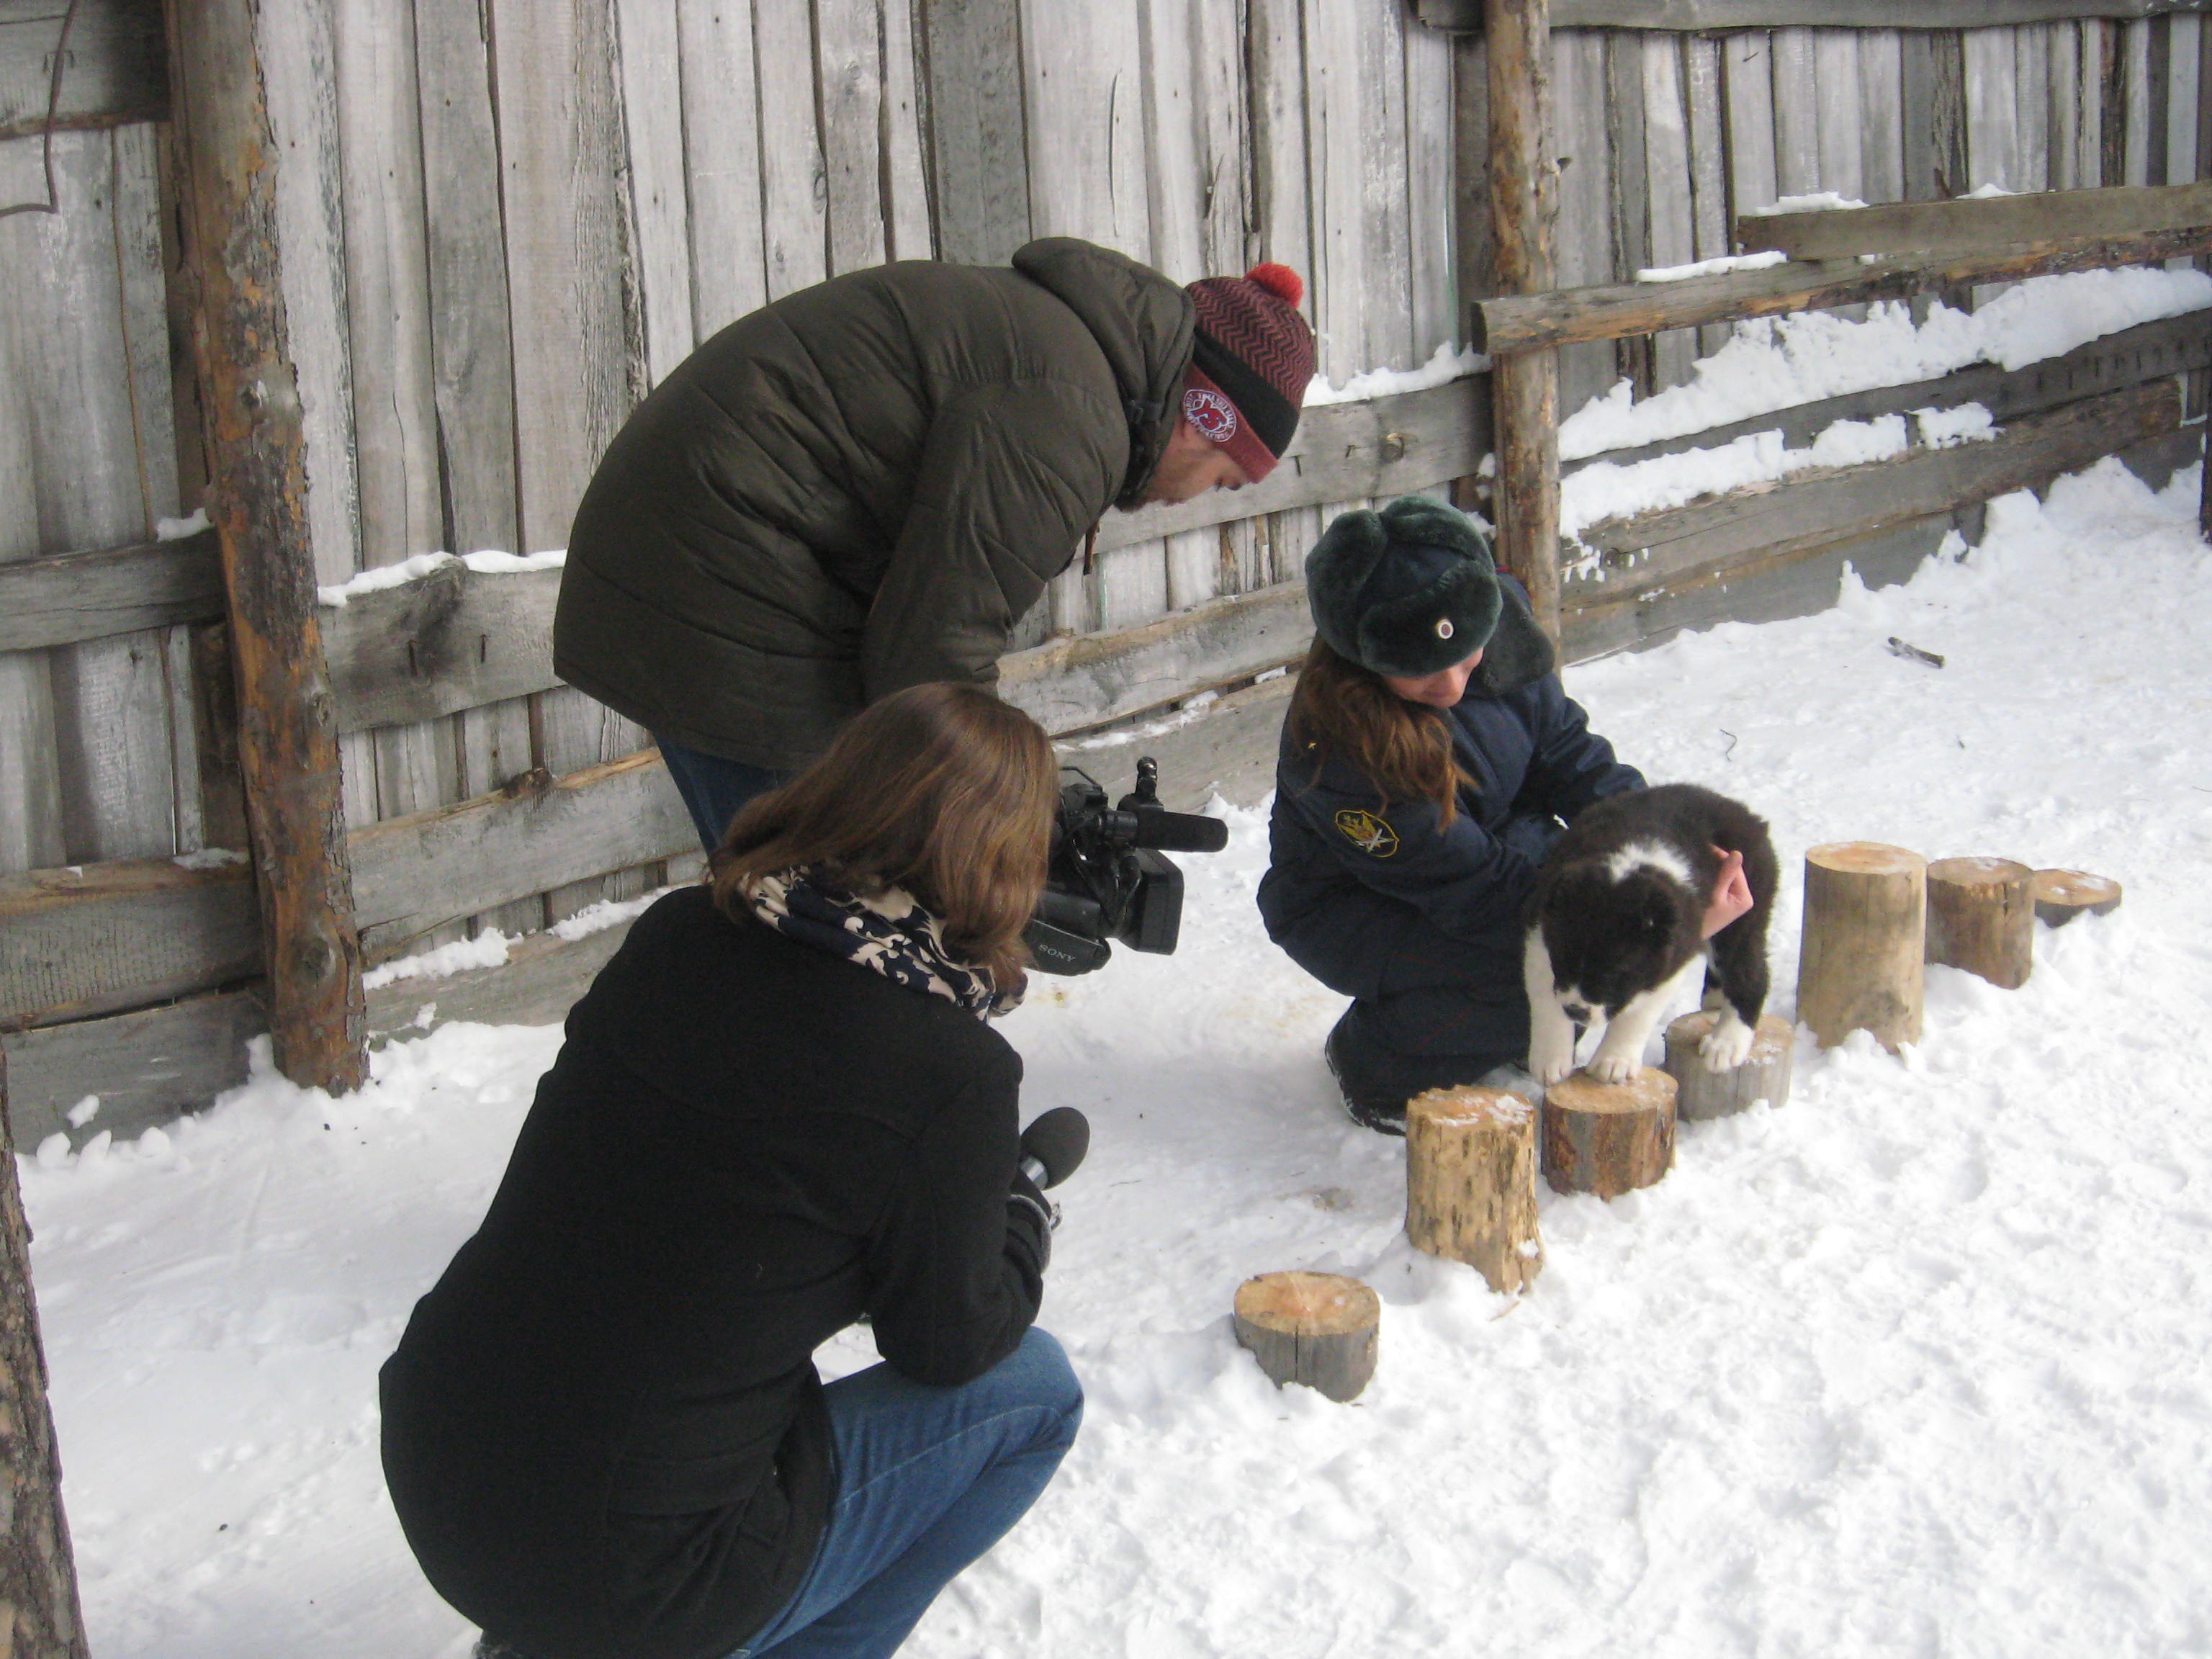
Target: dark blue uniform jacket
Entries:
(1418, 920)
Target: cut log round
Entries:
(2062, 895)
(1865, 928)
(1471, 1183)
(1315, 1328)
(1981, 917)
(1700, 1093)
(1608, 1138)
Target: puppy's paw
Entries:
(1612, 1065)
(1549, 1062)
(1727, 1044)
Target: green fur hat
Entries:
(1411, 590)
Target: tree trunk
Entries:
(1315, 1328)
(1608, 1138)
(2062, 895)
(38, 1573)
(1981, 917)
(1859, 967)
(1701, 1093)
(1471, 1183)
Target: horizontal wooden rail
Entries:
(117, 68)
(149, 1065)
(71, 596)
(1088, 679)
(1810, 509)
(146, 1067)
(452, 640)
(1615, 310)
(1464, 16)
(1970, 222)
(412, 873)
(89, 938)
(2149, 351)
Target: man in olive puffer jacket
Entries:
(863, 486)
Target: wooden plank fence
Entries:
(502, 222)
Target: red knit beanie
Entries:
(1250, 365)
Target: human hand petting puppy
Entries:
(1731, 895)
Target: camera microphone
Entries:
(1177, 832)
(1054, 1144)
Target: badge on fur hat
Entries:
(1369, 834)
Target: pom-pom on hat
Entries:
(1406, 592)
(1249, 364)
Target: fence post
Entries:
(257, 500)
(1524, 204)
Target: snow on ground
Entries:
(1914, 1364)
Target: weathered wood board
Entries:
(1686, 14)
(412, 873)
(2149, 351)
(117, 68)
(1084, 680)
(90, 938)
(65, 598)
(1963, 226)
(146, 1067)
(1811, 509)
(1564, 316)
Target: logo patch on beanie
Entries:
(1369, 834)
(1443, 628)
(1212, 414)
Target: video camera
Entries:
(1108, 880)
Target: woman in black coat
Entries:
(778, 1110)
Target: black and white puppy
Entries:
(1614, 926)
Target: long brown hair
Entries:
(1343, 711)
(941, 790)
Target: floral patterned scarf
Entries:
(886, 931)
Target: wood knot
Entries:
(535, 782)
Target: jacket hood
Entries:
(1144, 323)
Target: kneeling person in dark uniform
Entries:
(1429, 759)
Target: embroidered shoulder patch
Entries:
(1369, 834)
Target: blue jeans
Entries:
(714, 788)
(927, 1480)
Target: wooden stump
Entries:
(1315, 1328)
(1608, 1138)
(2062, 895)
(1864, 931)
(1981, 917)
(1471, 1183)
(1700, 1094)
